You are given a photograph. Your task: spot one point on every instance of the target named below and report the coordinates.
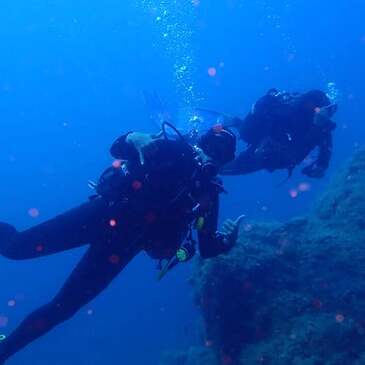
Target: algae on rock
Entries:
(291, 293)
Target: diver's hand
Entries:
(140, 141)
(314, 171)
(229, 230)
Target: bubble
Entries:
(176, 20)
(2, 337)
(291, 57)
(333, 92)
(247, 227)
(208, 343)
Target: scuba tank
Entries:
(184, 254)
(187, 250)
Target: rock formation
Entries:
(289, 293)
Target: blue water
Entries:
(71, 77)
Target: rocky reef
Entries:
(289, 294)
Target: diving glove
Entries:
(229, 232)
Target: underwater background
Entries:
(72, 75)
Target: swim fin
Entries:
(215, 117)
(7, 234)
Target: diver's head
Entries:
(316, 100)
(219, 144)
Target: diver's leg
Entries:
(246, 162)
(100, 265)
(74, 228)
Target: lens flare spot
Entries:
(113, 223)
(90, 312)
(293, 193)
(247, 285)
(4, 321)
(136, 185)
(117, 164)
(340, 318)
(212, 71)
(33, 212)
(227, 360)
(218, 128)
(11, 303)
(39, 248)
(114, 259)
(317, 304)
(150, 218)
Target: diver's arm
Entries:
(318, 168)
(211, 242)
(246, 162)
(325, 152)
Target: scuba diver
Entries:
(281, 130)
(160, 192)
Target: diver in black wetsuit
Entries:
(162, 189)
(281, 131)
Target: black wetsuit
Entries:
(280, 133)
(146, 208)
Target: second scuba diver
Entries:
(281, 130)
(151, 200)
